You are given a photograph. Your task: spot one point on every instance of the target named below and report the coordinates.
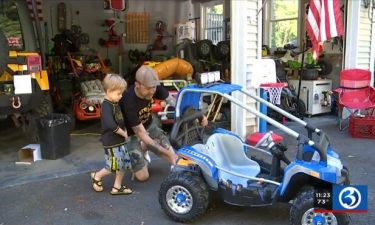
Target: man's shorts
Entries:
(117, 158)
(134, 147)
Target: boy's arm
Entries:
(122, 132)
(107, 118)
(110, 123)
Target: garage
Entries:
(71, 45)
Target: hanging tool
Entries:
(61, 17)
(38, 29)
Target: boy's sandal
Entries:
(97, 185)
(121, 191)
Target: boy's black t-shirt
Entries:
(137, 110)
(111, 120)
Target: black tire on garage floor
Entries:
(30, 127)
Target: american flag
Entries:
(323, 23)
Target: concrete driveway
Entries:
(59, 191)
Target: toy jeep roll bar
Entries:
(225, 90)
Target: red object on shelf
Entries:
(119, 5)
(253, 138)
(362, 127)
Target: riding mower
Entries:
(222, 164)
(88, 70)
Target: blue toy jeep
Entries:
(222, 164)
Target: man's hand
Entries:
(204, 121)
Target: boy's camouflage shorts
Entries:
(117, 158)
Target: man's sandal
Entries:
(97, 185)
(121, 191)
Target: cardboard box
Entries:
(28, 154)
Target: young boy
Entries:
(114, 137)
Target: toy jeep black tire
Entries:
(304, 203)
(184, 196)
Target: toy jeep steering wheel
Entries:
(186, 131)
(265, 140)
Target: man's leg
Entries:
(137, 160)
(142, 174)
(160, 136)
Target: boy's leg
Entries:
(97, 177)
(102, 173)
(118, 188)
(122, 160)
(118, 179)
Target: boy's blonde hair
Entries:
(114, 82)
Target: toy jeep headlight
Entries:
(217, 75)
(203, 79)
(207, 78)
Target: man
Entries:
(136, 107)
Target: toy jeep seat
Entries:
(254, 138)
(93, 91)
(227, 151)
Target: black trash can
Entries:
(54, 135)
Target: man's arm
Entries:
(154, 146)
(151, 144)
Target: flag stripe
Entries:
(327, 22)
(338, 18)
(323, 22)
(332, 20)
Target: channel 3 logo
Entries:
(350, 198)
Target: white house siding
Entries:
(253, 52)
(360, 37)
(245, 49)
(364, 40)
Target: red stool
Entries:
(253, 138)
